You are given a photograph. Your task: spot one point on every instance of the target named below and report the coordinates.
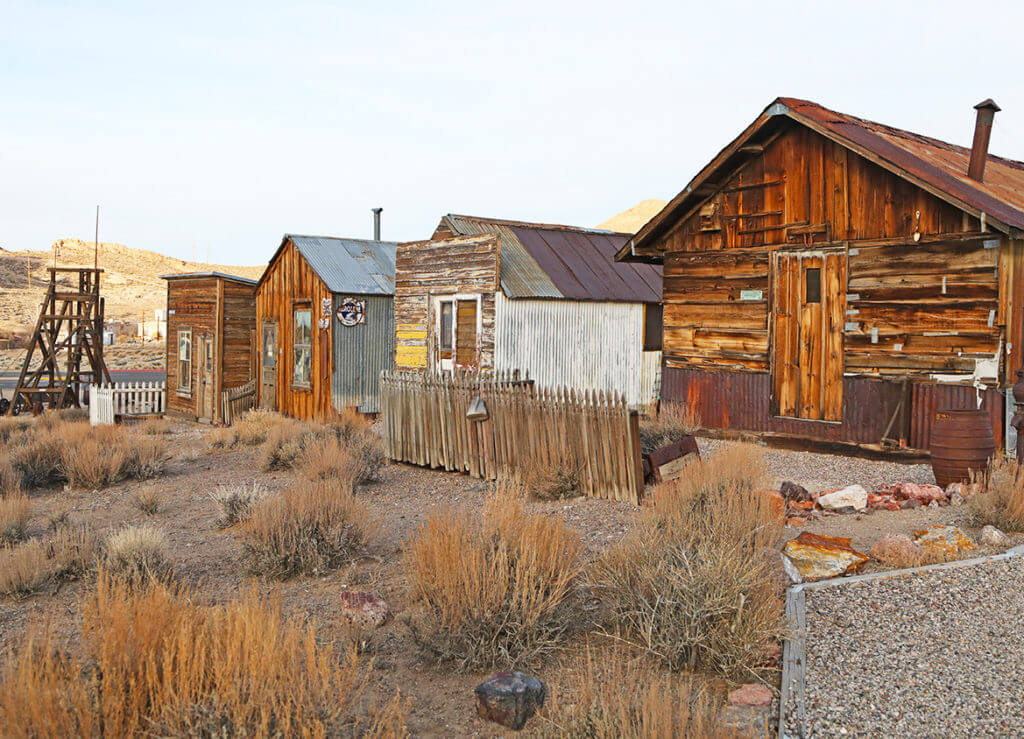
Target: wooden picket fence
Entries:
(107, 402)
(238, 400)
(425, 420)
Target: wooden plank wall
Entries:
(928, 299)
(288, 282)
(462, 265)
(238, 334)
(425, 423)
(191, 303)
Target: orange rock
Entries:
(777, 504)
(817, 557)
(802, 505)
(751, 694)
(945, 540)
(796, 521)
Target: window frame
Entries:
(454, 299)
(297, 308)
(186, 387)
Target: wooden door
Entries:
(207, 381)
(268, 365)
(808, 311)
(456, 331)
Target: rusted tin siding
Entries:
(740, 401)
(581, 344)
(929, 399)
(361, 352)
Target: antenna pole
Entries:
(96, 242)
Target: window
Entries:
(813, 290)
(302, 338)
(445, 332)
(185, 360)
(653, 313)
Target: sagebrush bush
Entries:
(137, 554)
(309, 528)
(552, 482)
(149, 500)
(96, 457)
(251, 429)
(693, 585)
(40, 563)
(673, 422)
(355, 460)
(153, 663)
(14, 513)
(999, 496)
(615, 695)
(10, 480)
(54, 419)
(285, 444)
(155, 427)
(498, 591)
(14, 429)
(37, 461)
(236, 502)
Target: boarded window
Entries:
(465, 334)
(185, 360)
(653, 322)
(813, 278)
(302, 339)
(445, 334)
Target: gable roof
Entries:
(202, 275)
(346, 265)
(544, 260)
(933, 165)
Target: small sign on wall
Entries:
(351, 312)
(325, 307)
(751, 294)
(324, 323)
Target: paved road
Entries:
(9, 379)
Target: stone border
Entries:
(794, 652)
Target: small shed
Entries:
(836, 279)
(211, 340)
(542, 298)
(325, 309)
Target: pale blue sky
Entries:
(225, 126)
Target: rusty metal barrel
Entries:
(961, 442)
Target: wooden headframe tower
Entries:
(70, 327)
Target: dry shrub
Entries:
(37, 461)
(354, 461)
(309, 528)
(1000, 497)
(236, 502)
(348, 423)
(38, 563)
(14, 514)
(221, 438)
(156, 664)
(54, 419)
(100, 456)
(673, 422)
(136, 554)
(10, 480)
(148, 500)
(14, 430)
(155, 427)
(693, 584)
(552, 482)
(285, 443)
(145, 458)
(498, 591)
(618, 696)
(252, 429)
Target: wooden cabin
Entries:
(211, 340)
(545, 299)
(835, 279)
(325, 308)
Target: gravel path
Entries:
(934, 654)
(817, 471)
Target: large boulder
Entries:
(852, 496)
(993, 537)
(510, 698)
(925, 494)
(896, 549)
(946, 541)
(817, 557)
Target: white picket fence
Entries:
(107, 402)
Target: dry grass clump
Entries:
(693, 585)
(104, 455)
(37, 460)
(136, 554)
(149, 500)
(14, 515)
(251, 429)
(10, 480)
(154, 663)
(54, 419)
(1000, 497)
(617, 696)
(502, 590)
(13, 428)
(236, 502)
(285, 444)
(309, 528)
(354, 461)
(39, 563)
(155, 427)
(673, 422)
(552, 482)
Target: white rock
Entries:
(852, 496)
(993, 537)
(791, 571)
(956, 498)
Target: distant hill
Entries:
(632, 220)
(130, 283)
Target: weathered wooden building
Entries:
(832, 278)
(211, 340)
(325, 308)
(546, 299)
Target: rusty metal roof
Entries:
(544, 260)
(347, 265)
(201, 275)
(936, 166)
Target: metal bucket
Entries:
(961, 442)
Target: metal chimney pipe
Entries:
(376, 223)
(987, 110)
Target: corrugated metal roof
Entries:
(200, 275)
(349, 265)
(930, 163)
(542, 260)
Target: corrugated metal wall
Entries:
(581, 344)
(361, 352)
